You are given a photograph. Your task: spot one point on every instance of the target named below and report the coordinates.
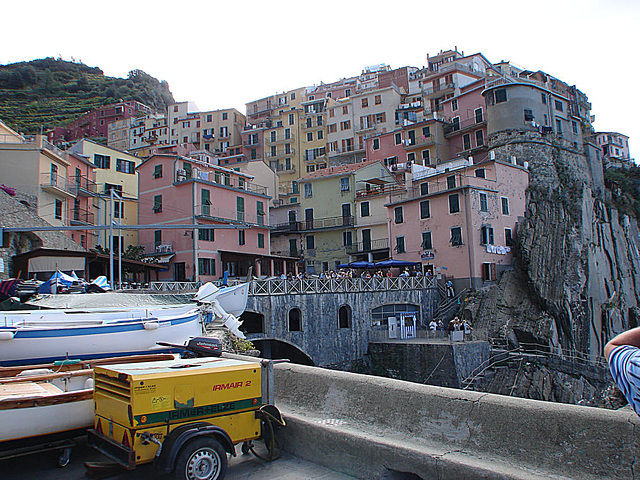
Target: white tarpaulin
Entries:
(51, 264)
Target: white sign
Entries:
(500, 250)
(1, 265)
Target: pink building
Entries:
(183, 190)
(467, 127)
(459, 219)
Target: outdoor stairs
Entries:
(448, 305)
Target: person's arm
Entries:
(630, 337)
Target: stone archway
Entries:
(275, 349)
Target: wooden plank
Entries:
(30, 402)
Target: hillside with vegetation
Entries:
(50, 92)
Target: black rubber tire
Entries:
(202, 458)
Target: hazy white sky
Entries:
(224, 54)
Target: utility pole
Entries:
(111, 240)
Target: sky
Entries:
(225, 54)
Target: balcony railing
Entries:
(55, 183)
(158, 248)
(81, 185)
(280, 153)
(280, 139)
(465, 125)
(251, 143)
(231, 215)
(440, 89)
(362, 247)
(81, 216)
(438, 184)
(286, 227)
(326, 223)
(379, 190)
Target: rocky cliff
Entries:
(575, 284)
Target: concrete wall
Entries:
(441, 364)
(365, 426)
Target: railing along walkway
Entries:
(529, 351)
(297, 286)
(338, 285)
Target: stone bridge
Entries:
(330, 322)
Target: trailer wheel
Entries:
(201, 459)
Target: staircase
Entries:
(448, 305)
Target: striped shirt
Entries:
(624, 363)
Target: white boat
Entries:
(50, 399)
(232, 299)
(47, 404)
(42, 336)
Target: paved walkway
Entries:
(43, 466)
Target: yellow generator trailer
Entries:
(184, 415)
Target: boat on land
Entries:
(51, 399)
(42, 336)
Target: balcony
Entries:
(378, 190)
(280, 153)
(420, 141)
(159, 248)
(56, 185)
(452, 129)
(327, 223)
(82, 186)
(228, 215)
(370, 246)
(282, 139)
(286, 227)
(438, 91)
(80, 216)
(439, 184)
(410, 106)
(251, 143)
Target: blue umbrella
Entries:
(395, 263)
(358, 264)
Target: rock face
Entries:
(578, 260)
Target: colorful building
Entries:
(459, 219)
(615, 149)
(114, 170)
(183, 190)
(40, 172)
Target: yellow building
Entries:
(221, 129)
(37, 170)
(115, 170)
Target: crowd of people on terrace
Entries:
(437, 327)
(352, 273)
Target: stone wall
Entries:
(320, 336)
(443, 364)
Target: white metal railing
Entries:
(296, 286)
(338, 285)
